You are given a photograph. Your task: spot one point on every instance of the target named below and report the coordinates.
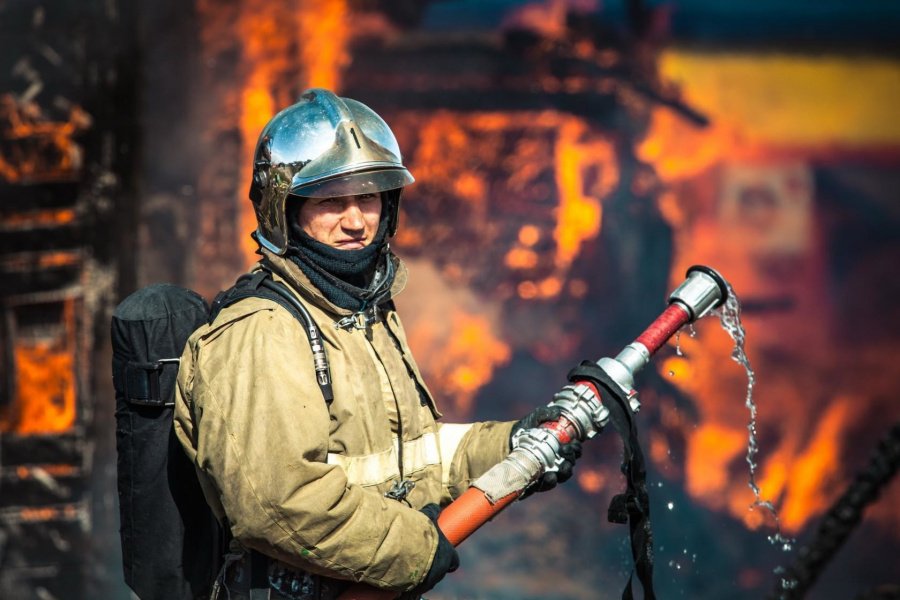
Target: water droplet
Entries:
(659, 484)
(670, 505)
(692, 331)
(671, 373)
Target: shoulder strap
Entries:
(261, 285)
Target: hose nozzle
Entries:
(703, 290)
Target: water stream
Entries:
(730, 318)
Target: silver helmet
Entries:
(323, 146)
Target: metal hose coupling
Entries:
(583, 408)
(703, 290)
(583, 417)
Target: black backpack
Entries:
(172, 545)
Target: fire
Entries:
(813, 471)
(324, 31)
(38, 218)
(549, 17)
(285, 49)
(35, 148)
(44, 399)
(579, 213)
(455, 336)
(493, 173)
(799, 474)
(461, 365)
(741, 199)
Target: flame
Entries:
(286, 48)
(762, 107)
(462, 364)
(579, 214)
(38, 471)
(35, 261)
(52, 513)
(547, 18)
(325, 32)
(769, 116)
(39, 218)
(35, 148)
(493, 162)
(454, 335)
(813, 471)
(44, 399)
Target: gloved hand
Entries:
(569, 452)
(446, 560)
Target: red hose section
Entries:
(671, 320)
(563, 429)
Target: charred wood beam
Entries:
(26, 198)
(486, 73)
(35, 282)
(43, 238)
(18, 450)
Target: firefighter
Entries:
(315, 493)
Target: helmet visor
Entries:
(365, 182)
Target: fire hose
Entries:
(583, 417)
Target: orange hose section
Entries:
(469, 512)
(458, 521)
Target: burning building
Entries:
(571, 163)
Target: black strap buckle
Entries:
(142, 382)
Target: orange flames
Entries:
(521, 193)
(36, 149)
(741, 199)
(454, 336)
(465, 156)
(461, 358)
(286, 49)
(44, 399)
(579, 213)
(707, 224)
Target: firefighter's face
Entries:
(342, 222)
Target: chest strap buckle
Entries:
(361, 320)
(400, 490)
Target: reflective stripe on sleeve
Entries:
(451, 434)
(373, 469)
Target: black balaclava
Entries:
(351, 279)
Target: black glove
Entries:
(446, 560)
(569, 452)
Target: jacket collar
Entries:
(297, 279)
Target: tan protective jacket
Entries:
(302, 481)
